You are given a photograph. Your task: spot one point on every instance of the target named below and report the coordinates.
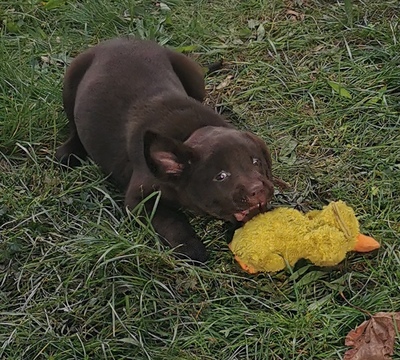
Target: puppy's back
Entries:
(133, 65)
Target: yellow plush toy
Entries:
(282, 236)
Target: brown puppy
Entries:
(135, 108)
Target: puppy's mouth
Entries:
(246, 215)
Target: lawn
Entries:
(318, 80)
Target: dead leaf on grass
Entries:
(373, 339)
(225, 83)
(260, 32)
(294, 15)
(252, 24)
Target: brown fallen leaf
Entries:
(294, 15)
(373, 339)
(225, 83)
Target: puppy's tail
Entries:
(213, 67)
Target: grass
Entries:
(81, 279)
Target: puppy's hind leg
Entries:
(190, 74)
(72, 151)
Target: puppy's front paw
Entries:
(175, 231)
(193, 249)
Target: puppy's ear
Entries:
(167, 158)
(265, 151)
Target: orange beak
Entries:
(365, 243)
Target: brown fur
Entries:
(135, 108)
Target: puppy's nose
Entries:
(256, 189)
(256, 194)
(259, 192)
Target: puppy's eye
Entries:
(223, 175)
(256, 161)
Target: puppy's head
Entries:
(219, 171)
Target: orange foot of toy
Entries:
(248, 268)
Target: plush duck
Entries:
(272, 240)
